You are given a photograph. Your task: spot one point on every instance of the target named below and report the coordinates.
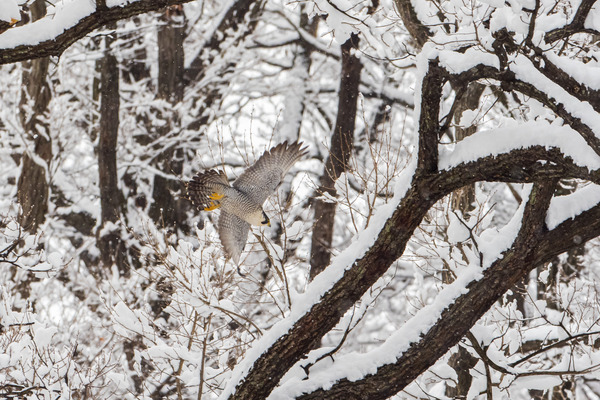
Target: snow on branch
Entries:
(53, 34)
(577, 25)
(440, 325)
(505, 139)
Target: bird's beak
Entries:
(269, 223)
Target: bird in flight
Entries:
(241, 203)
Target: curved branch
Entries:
(459, 316)
(56, 45)
(509, 82)
(523, 165)
(415, 27)
(575, 26)
(527, 165)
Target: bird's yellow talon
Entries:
(216, 196)
(212, 206)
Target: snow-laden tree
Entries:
(437, 242)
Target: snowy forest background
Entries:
(437, 242)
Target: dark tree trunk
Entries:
(136, 68)
(168, 208)
(340, 151)
(32, 187)
(171, 34)
(462, 361)
(462, 201)
(109, 241)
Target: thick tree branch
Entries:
(576, 25)
(456, 320)
(516, 166)
(534, 245)
(508, 82)
(102, 16)
(429, 120)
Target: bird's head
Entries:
(258, 218)
(265, 220)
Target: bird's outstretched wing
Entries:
(261, 179)
(233, 232)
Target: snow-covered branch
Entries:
(51, 35)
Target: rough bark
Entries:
(534, 164)
(340, 152)
(32, 187)
(110, 243)
(100, 17)
(458, 317)
(168, 208)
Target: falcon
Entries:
(241, 203)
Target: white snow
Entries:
(540, 382)
(569, 206)
(504, 139)
(457, 231)
(323, 282)
(66, 16)
(9, 10)
(354, 366)
(458, 62)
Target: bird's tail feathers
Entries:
(207, 189)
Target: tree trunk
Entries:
(33, 187)
(462, 201)
(340, 151)
(109, 240)
(168, 208)
(136, 68)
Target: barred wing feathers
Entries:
(233, 232)
(261, 179)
